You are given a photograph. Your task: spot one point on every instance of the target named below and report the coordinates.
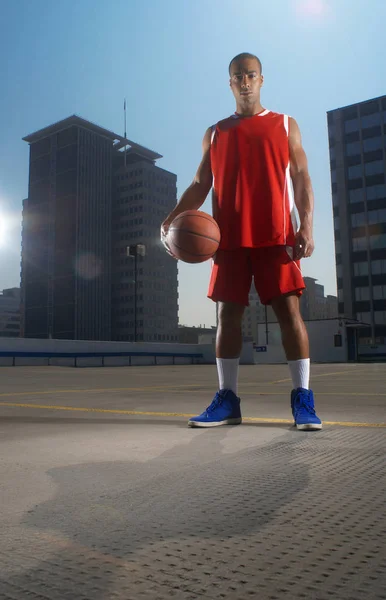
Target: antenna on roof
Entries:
(124, 120)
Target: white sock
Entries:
(228, 372)
(300, 373)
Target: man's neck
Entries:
(250, 111)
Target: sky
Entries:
(169, 58)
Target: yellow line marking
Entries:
(175, 414)
(91, 390)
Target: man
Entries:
(250, 160)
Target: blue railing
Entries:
(194, 356)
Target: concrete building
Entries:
(313, 305)
(10, 313)
(192, 335)
(91, 194)
(357, 141)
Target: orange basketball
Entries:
(193, 236)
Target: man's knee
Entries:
(230, 313)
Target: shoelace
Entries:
(217, 400)
(302, 403)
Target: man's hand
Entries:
(304, 243)
(164, 235)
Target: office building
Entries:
(10, 312)
(314, 305)
(357, 135)
(92, 193)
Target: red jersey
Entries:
(252, 193)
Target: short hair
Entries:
(245, 55)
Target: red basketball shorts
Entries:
(274, 271)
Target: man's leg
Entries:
(296, 346)
(228, 344)
(229, 287)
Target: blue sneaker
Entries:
(224, 410)
(302, 405)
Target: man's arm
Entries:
(195, 195)
(304, 196)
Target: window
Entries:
(337, 247)
(351, 125)
(375, 192)
(364, 317)
(358, 219)
(379, 292)
(371, 120)
(340, 295)
(338, 340)
(353, 148)
(361, 268)
(332, 153)
(375, 167)
(376, 216)
(335, 201)
(372, 144)
(378, 267)
(380, 317)
(362, 293)
(333, 176)
(378, 241)
(356, 195)
(359, 243)
(336, 223)
(355, 172)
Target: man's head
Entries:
(246, 79)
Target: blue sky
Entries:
(169, 59)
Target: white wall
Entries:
(321, 334)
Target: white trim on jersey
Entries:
(265, 112)
(213, 127)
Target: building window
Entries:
(378, 267)
(359, 243)
(376, 216)
(333, 176)
(372, 144)
(379, 292)
(356, 195)
(364, 317)
(361, 268)
(351, 125)
(371, 120)
(338, 340)
(353, 148)
(340, 295)
(378, 241)
(332, 153)
(336, 223)
(362, 293)
(376, 192)
(337, 247)
(358, 219)
(380, 317)
(339, 271)
(355, 172)
(375, 167)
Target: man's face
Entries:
(246, 81)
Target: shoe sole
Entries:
(310, 427)
(214, 423)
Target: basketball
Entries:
(193, 236)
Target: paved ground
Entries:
(106, 494)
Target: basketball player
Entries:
(250, 160)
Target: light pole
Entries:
(134, 251)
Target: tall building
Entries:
(357, 141)
(90, 197)
(10, 313)
(314, 304)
